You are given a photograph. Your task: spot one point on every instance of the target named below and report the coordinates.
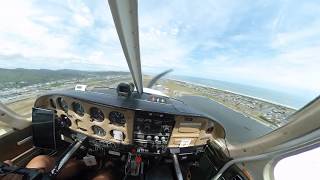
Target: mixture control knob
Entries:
(149, 137)
(156, 138)
(166, 130)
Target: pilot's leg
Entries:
(72, 168)
(104, 175)
(109, 172)
(42, 163)
(45, 163)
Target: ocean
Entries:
(293, 101)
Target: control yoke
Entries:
(67, 155)
(177, 167)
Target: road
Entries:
(239, 128)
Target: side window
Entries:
(22, 107)
(4, 129)
(305, 165)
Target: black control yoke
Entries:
(67, 155)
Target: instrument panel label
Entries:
(185, 142)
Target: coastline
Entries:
(236, 93)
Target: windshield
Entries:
(254, 61)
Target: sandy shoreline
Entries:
(236, 93)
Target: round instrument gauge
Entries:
(116, 117)
(117, 135)
(97, 130)
(65, 121)
(77, 108)
(96, 114)
(62, 104)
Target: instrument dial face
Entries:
(77, 108)
(65, 121)
(117, 135)
(116, 117)
(63, 104)
(96, 114)
(97, 130)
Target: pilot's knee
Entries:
(72, 167)
(104, 175)
(42, 162)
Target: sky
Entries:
(267, 43)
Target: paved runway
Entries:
(239, 128)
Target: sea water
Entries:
(282, 98)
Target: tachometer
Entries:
(97, 130)
(63, 104)
(96, 114)
(116, 117)
(77, 108)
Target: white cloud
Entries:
(19, 34)
(296, 71)
(161, 49)
(34, 33)
(243, 41)
(100, 58)
(81, 13)
(293, 38)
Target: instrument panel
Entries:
(103, 122)
(152, 131)
(148, 131)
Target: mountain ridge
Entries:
(24, 77)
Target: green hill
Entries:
(24, 77)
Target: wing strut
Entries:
(125, 17)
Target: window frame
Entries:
(270, 167)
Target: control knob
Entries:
(165, 130)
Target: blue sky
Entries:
(266, 43)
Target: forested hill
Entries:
(24, 77)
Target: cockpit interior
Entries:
(140, 133)
(143, 133)
(147, 136)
